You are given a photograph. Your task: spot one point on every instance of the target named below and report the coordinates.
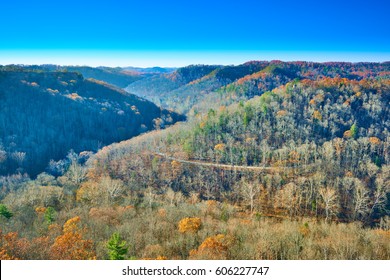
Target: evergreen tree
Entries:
(354, 131)
(117, 248)
(5, 212)
(49, 214)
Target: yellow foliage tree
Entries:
(317, 115)
(219, 147)
(40, 210)
(190, 225)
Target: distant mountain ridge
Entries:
(150, 70)
(115, 76)
(225, 85)
(118, 76)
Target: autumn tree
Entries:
(12, 246)
(189, 225)
(213, 248)
(71, 245)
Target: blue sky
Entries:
(177, 33)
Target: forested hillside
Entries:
(226, 85)
(316, 139)
(45, 114)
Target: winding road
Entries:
(224, 166)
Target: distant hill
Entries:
(158, 87)
(150, 70)
(45, 114)
(115, 76)
(192, 89)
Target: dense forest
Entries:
(43, 115)
(275, 161)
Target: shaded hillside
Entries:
(157, 87)
(114, 76)
(183, 88)
(45, 114)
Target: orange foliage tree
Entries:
(212, 248)
(12, 247)
(71, 245)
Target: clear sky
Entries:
(178, 33)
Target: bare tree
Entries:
(150, 196)
(76, 173)
(194, 197)
(170, 196)
(113, 188)
(361, 201)
(330, 201)
(380, 193)
(288, 198)
(249, 191)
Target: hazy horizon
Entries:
(175, 60)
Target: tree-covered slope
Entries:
(45, 114)
(310, 141)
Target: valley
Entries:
(263, 160)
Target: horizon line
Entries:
(191, 64)
(175, 59)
